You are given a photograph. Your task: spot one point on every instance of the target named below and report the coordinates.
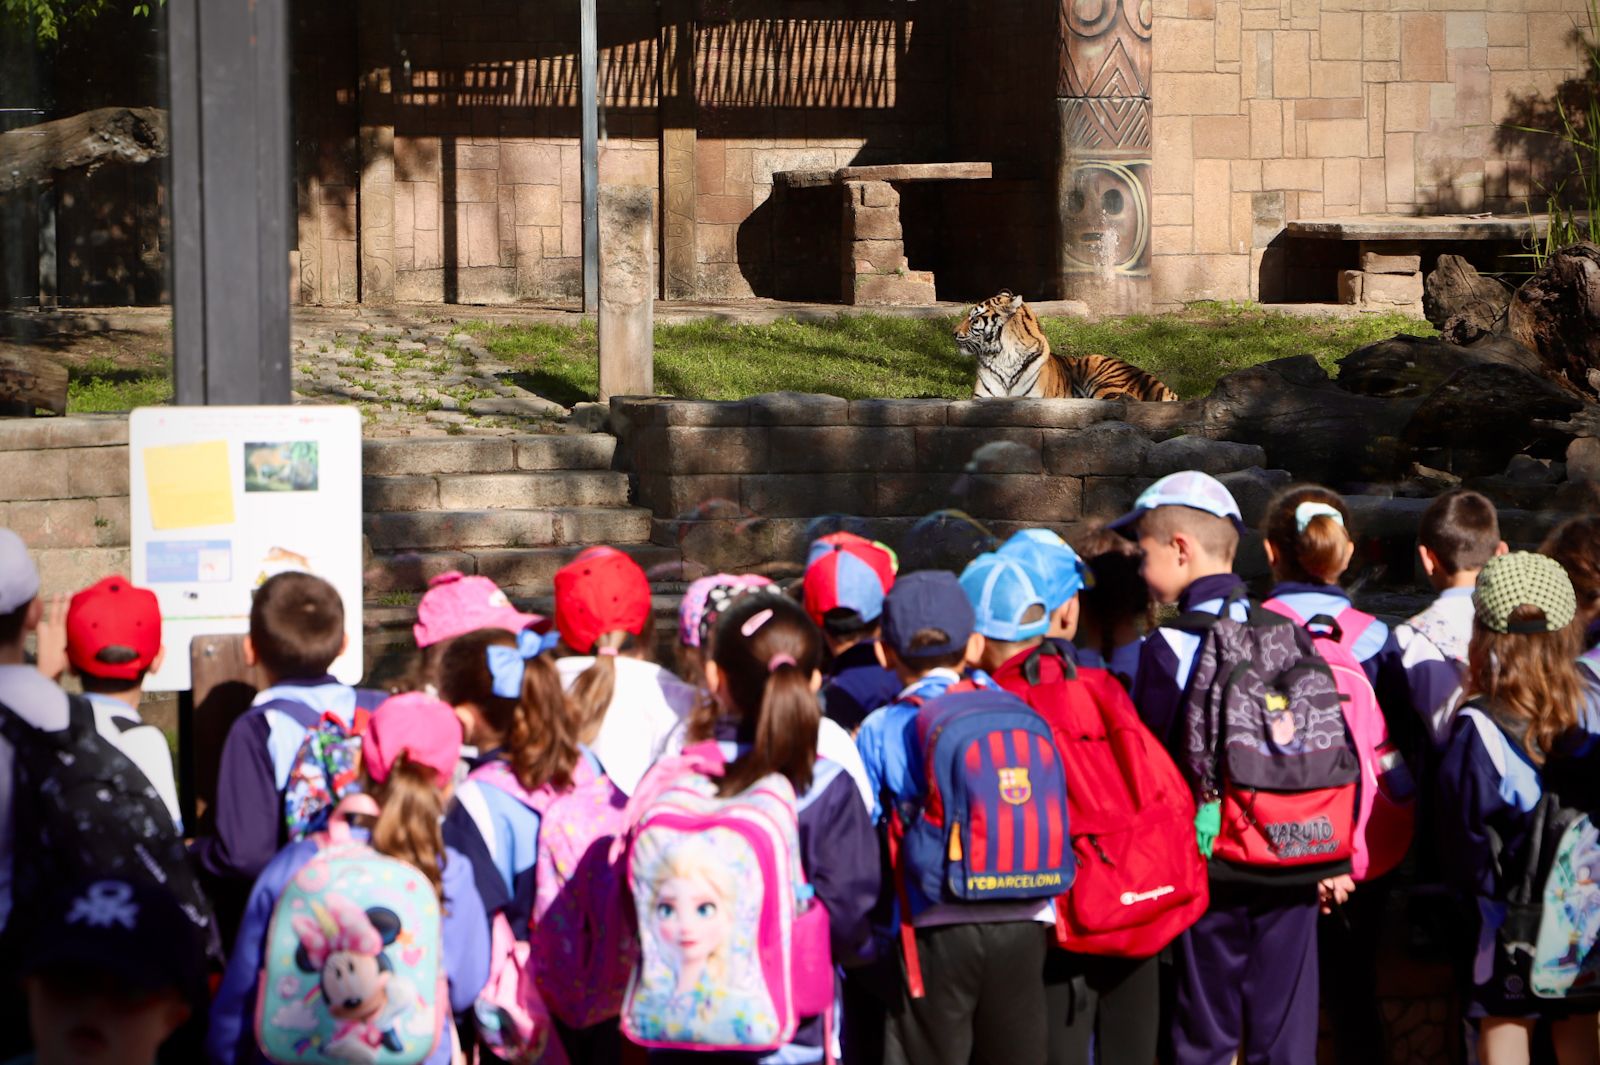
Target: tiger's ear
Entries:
(1016, 303)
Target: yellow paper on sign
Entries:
(188, 485)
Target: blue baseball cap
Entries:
(1055, 565)
(1191, 488)
(929, 599)
(1002, 591)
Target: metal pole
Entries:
(231, 195)
(589, 103)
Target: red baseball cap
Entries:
(113, 630)
(600, 591)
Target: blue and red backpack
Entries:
(993, 821)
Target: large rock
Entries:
(1408, 367)
(1476, 420)
(1462, 303)
(1556, 313)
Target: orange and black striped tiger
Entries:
(1014, 359)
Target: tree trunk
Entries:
(1557, 314)
(1462, 303)
(33, 155)
(1408, 367)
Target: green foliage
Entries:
(47, 18)
(1573, 202)
(865, 356)
(103, 384)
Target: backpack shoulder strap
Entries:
(1032, 666)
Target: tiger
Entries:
(1014, 359)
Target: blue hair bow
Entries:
(506, 663)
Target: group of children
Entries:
(1063, 806)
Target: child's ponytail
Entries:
(1307, 526)
(411, 808)
(592, 691)
(768, 652)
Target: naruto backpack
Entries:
(1386, 812)
(352, 967)
(1265, 736)
(326, 769)
(1140, 878)
(733, 946)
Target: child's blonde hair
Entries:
(411, 811)
(1529, 677)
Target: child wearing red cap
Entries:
(408, 754)
(113, 634)
(624, 706)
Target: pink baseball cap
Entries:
(456, 604)
(418, 724)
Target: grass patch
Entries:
(102, 384)
(866, 356)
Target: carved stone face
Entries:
(1106, 219)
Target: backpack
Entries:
(1386, 812)
(83, 810)
(1266, 737)
(1549, 942)
(353, 967)
(581, 948)
(733, 946)
(326, 768)
(1140, 878)
(993, 822)
(513, 1024)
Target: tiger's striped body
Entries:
(1014, 359)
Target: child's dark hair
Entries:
(932, 638)
(1462, 530)
(539, 738)
(1317, 553)
(592, 691)
(297, 625)
(1119, 591)
(12, 624)
(1575, 543)
(767, 650)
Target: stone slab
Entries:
(842, 449)
(1390, 262)
(1401, 290)
(797, 408)
(1112, 449)
(994, 450)
(804, 495)
(1043, 413)
(82, 430)
(898, 411)
(1201, 453)
(1408, 228)
(802, 179)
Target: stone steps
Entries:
(500, 454)
(545, 527)
(524, 573)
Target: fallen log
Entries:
(34, 155)
(29, 381)
(1556, 313)
(1405, 366)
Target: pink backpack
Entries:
(582, 944)
(734, 948)
(513, 1024)
(1386, 810)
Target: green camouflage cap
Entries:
(1523, 578)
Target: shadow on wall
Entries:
(842, 82)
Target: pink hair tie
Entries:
(607, 652)
(780, 660)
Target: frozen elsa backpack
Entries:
(733, 947)
(353, 968)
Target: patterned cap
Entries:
(706, 599)
(1191, 488)
(1519, 579)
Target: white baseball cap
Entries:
(19, 577)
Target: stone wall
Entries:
(64, 482)
(1267, 112)
(746, 484)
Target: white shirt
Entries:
(144, 745)
(646, 705)
(43, 705)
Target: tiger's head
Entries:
(1004, 337)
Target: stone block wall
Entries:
(1267, 112)
(746, 484)
(64, 482)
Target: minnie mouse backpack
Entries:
(353, 967)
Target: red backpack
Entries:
(1141, 878)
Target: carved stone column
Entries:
(1103, 170)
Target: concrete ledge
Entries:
(78, 430)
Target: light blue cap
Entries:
(1002, 591)
(1060, 573)
(1191, 488)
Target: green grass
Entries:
(864, 356)
(102, 384)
